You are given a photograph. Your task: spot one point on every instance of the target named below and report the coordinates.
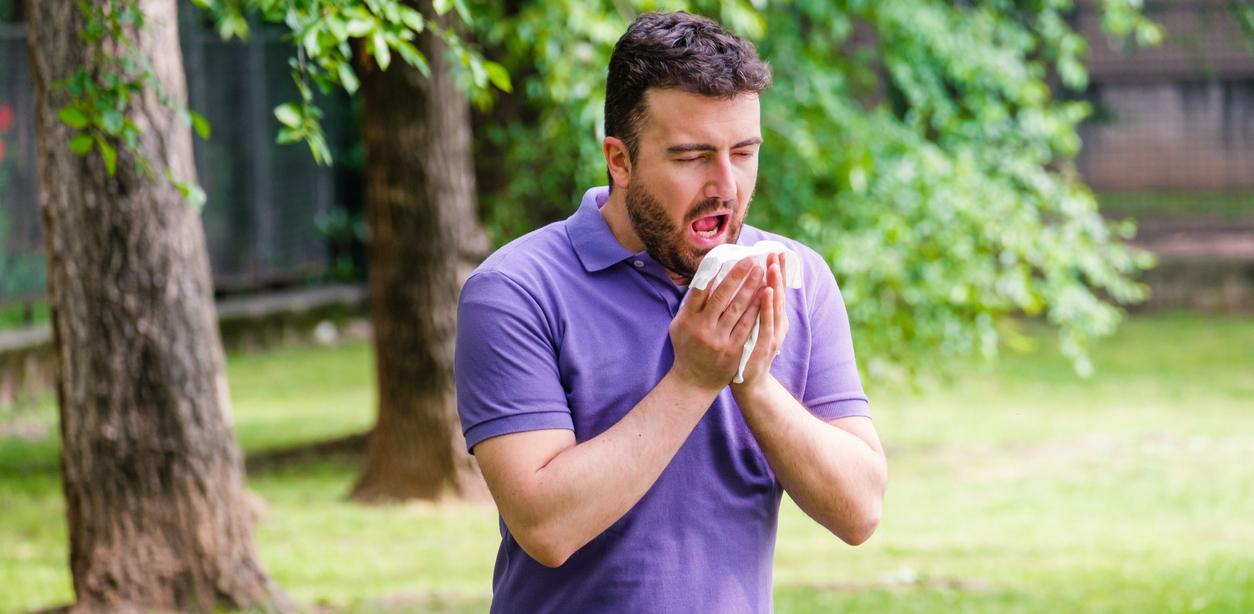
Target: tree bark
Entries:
(424, 236)
(158, 516)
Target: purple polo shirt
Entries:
(564, 328)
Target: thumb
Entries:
(694, 300)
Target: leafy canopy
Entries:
(322, 33)
(916, 144)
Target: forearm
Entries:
(588, 487)
(834, 476)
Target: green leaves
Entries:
(97, 120)
(73, 118)
(926, 159)
(499, 76)
(348, 78)
(289, 114)
(111, 121)
(114, 74)
(381, 53)
(302, 122)
(81, 144)
(412, 19)
(359, 27)
(200, 124)
(322, 32)
(108, 153)
(191, 192)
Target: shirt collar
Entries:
(594, 242)
(590, 234)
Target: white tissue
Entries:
(719, 262)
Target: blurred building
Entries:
(1176, 117)
(264, 198)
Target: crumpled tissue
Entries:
(719, 262)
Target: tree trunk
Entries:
(154, 492)
(424, 236)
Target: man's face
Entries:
(694, 173)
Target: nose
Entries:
(721, 180)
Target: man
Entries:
(595, 388)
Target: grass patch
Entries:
(1177, 204)
(21, 315)
(1020, 488)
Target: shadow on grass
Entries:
(425, 603)
(347, 449)
(30, 464)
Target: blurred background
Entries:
(1041, 216)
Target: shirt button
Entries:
(639, 264)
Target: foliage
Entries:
(323, 33)
(7, 8)
(101, 92)
(916, 144)
(1021, 490)
(1243, 12)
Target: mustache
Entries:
(709, 204)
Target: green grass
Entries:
(1019, 489)
(21, 315)
(1220, 205)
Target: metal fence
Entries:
(263, 198)
(21, 259)
(1178, 117)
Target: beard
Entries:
(664, 240)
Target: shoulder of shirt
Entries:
(817, 278)
(809, 257)
(529, 256)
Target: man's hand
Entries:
(835, 470)
(771, 305)
(711, 328)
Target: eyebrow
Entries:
(686, 147)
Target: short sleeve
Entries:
(833, 388)
(506, 362)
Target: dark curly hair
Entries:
(675, 50)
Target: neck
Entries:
(678, 279)
(615, 214)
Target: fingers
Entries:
(726, 290)
(766, 337)
(694, 300)
(777, 284)
(783, 268)
(744, 327)
(745, 296)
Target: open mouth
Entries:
(710, 228)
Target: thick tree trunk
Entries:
(154, 493)
(423, 234)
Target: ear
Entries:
(618, 160)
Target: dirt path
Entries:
(1197, 238)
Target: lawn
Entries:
(1018, 489)
(1218, 205)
